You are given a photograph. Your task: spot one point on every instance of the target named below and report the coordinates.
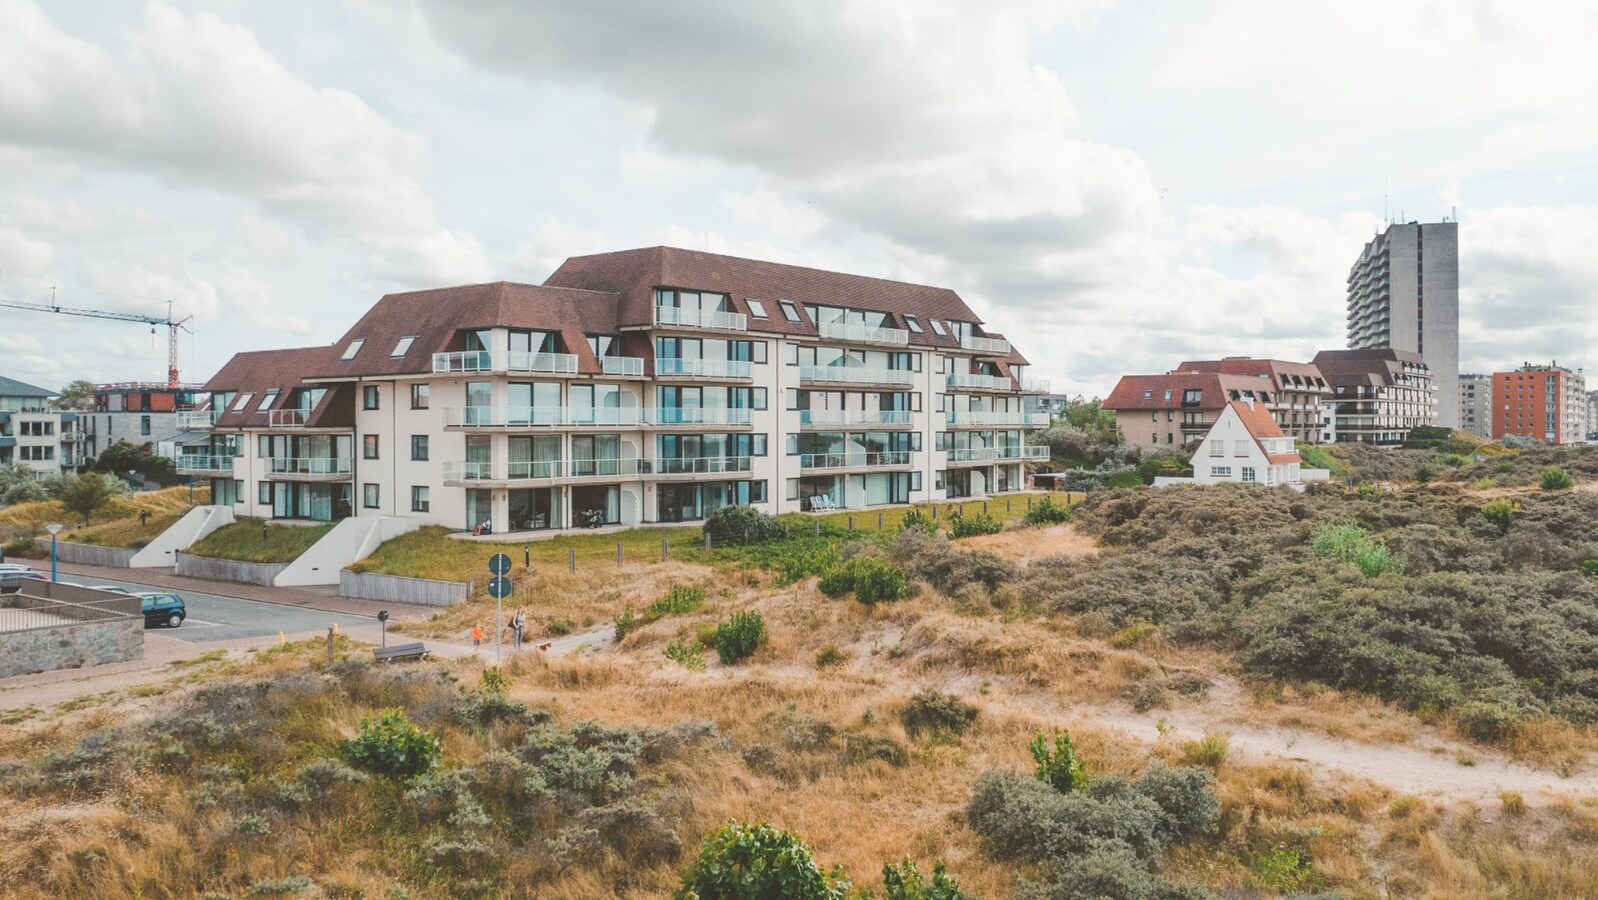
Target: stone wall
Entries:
(70, 646)
(227, 569)
(398, 589)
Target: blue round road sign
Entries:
(499, 588)
(499, 564)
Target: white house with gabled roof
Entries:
(1246, 446)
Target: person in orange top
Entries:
(477, 635)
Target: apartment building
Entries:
(35, 434)
(1544, 403)
(1180, 406)
(1476, 405)
(1403, 294)
(642, 386)
(142, 413)
(1378, 396)
(1592, 417)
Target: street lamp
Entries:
(54, 528)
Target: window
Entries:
(912, 322)
(789, 311)
(369, 446)
(1220, 471)
(370, 495)
(419, 498)
(418, 447)
(1192, 396)
(403, 346)
(757, 398)
(266, 401)
(144, 425)
(1148, 393)
(264, 495)
(419, 396)
(244, 400)
(1240, 448)
(757, 309)
(351, 350)
(1248, 474)
(1217, 447)
(1167, 393)
(369, 397)
(938, 327)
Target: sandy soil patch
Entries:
(1024, 545)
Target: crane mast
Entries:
(172, 325)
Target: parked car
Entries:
(163, 609)
(12, 574)
(109, 587)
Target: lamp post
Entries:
(54, 528)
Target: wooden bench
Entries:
(399, 652)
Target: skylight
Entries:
(244, 400)
(913, 322)
(757, 309)
(266, 401)
(351, 350)
(789, 312)
(938, 327)
(399, 348)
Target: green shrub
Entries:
(1209, 752)
(872, 581)
(1589, 567)
(495, 681)
(1047, 512)
(680, 600)
(391, 744)
(917, 520)
(1125, 478)
(980, 524)
(830, 656)
(758, 862)
(743, 525)
(1283, 868)
(739, 636)
(1425, 472)
(25, 548)
(1454, 460)
(1554, 478)
(937, 715)
(1488, 721)
(627, 623)
(1500, 514)
(1349, 543)
(904, 882)
(1374, 560)
(1058, 766)
(686, 654)
(559, 628)
(1131, 634)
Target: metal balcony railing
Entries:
(855, 460)
(621, 365)
(985, 345)
(204, 463)
(845, 417)
(855, 375)
(702, 368)
(672, 316)
(700, 465)
(308, 465)
(463, 361)
(980, 382)
(552, 363)
(863, 334)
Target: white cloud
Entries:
(22, 256)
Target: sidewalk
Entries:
(323, 598)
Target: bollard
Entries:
(618, 553)
(665, 549)
(571, 558)
(1006, 504)
(527, 556)
(1029, 503)
(851, 523)
(331, 630)
(934, 512)
(707, 540)
(984, 507)
(879, 521)
(817, 529)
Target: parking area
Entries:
(216, 618)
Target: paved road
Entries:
(217, 618)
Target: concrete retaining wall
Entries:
(88, 554)
(227, 569)
(398, 589)
(352, 539)
(70, 646)
(195, 524)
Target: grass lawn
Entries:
(242, 541)
(114, 525)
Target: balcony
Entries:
(621, 467)
(1034, 385)
(985, 345)
(463, 361)
(838, 418)
(288, 418)
(190, 420)
(978, 418)
(702, 368)
(970, 382)
(678, 317)
(855, 375)
(700, 465)
(544, 417)
(621, 365)
(468, 471)
(670, 415)
(550, 363)
(199, 463)
(856, 333)
(309, 468)
(856, 460)
(996, 454)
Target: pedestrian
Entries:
(477, 635)
(520, 624)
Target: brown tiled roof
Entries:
(257, 372)
(634, 275)
(1129, 391)
(1273, 369)
(1261, 424)
(1374, 367)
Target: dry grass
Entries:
(114, 525)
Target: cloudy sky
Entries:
(1117, 186)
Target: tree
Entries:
(83, 494)
(77, 395)
(18, 484)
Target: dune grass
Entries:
(114, 525)
(243, 541)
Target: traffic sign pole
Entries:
(499, 565)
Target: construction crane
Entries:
(172, 325)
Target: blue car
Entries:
(163, 609)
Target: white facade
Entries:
(1232, 454)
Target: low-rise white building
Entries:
(1246, 446)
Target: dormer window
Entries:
(402, 347)
(351, 350)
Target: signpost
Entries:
(499, 587)
(382, 622)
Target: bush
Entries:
(917, 520)
(1500, 514)
(980, 524)
(391, 744)
(627, 623)
(743, 525)
(739, 636)
(872, 581)
(903, 882)
(937, 715)
(686, 654)
(1058, 766)
(1047, 512)
(758, 862)
(830, 656)
(680, 600)
(1589, 567)
(1554, 478)
(1209, 752)
(1425, 472)
(1349, 543)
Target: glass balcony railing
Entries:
(621, 365)
(553, 363)
(621, 467)
(988, 454)
(863, 334)
(672, 316)
(288, 418)
(308, 465)
(204, 463)
(533, 469)
(981, 417)
(975, 344)
(855, 460)
(468, 471)
(665, 415)
(1035, 385)
(702, 368)
(191, 420)
(980, 382)
(544, 417)
(463, 361)
(855, 375)
(701, 465)
(845, 417)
